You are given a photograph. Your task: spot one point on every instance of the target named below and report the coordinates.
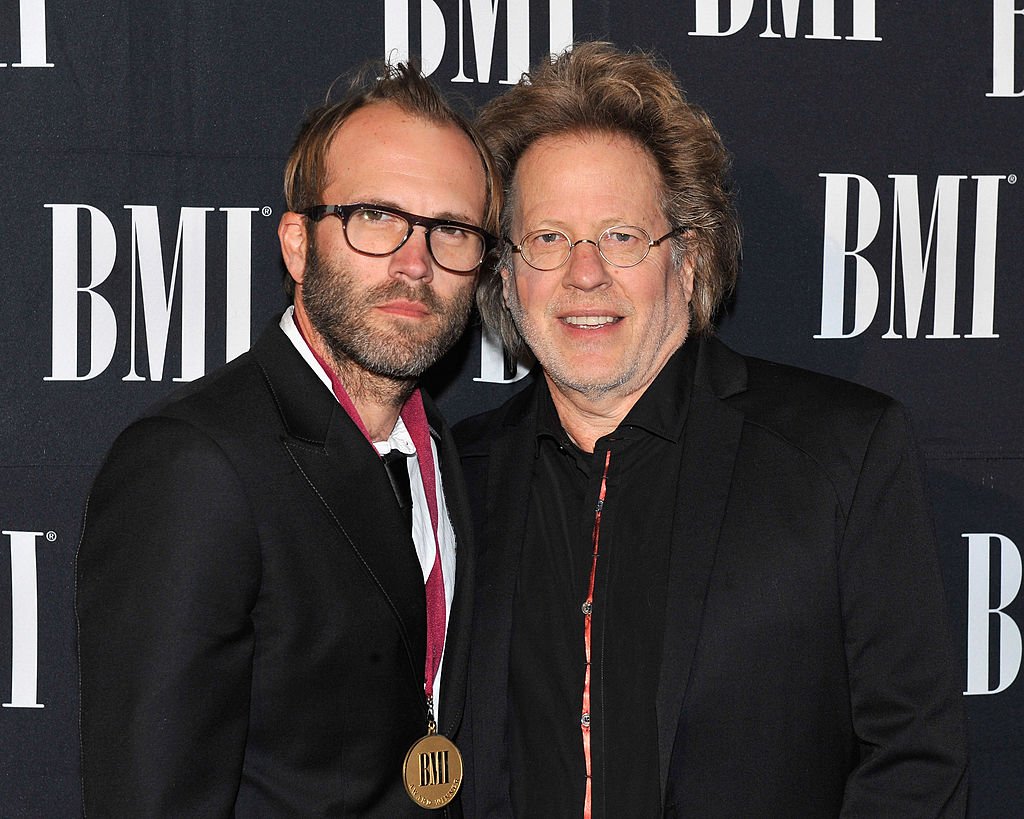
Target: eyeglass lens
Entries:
(622, 246)
(381, 233)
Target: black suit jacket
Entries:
(806, 668)
(251, 610)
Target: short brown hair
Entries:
(597, 87)
(305, 173)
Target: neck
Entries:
(585, 418)
(377, 398)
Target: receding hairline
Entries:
(416, 116)
(586, 133)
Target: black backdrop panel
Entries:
(877, 153)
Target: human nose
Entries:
(586, 268)
(413, 259)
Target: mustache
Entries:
(397, 290)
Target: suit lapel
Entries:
(348, 479)
(456, 651)
(712, 436)
(345, 476)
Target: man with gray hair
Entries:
(707, 584)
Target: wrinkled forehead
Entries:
(586, 176)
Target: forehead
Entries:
(386, 155)
(588, 176)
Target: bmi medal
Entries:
(433, 770)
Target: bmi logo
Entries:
(154, 288)
(163, 288)
(32, 34)
(434, 769)
(993, 636)
(708, 19)
(479, 21)
(920, 263)
(24, 617)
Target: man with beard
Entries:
(274, 574)
(706, 584)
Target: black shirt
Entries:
(547, 653)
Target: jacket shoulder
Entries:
(474, 435)
(835, 424)
(786, 397)
(224, 397)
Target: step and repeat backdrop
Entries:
(879, 148)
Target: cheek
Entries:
(532, 292)
(467, 288)
(455, 290)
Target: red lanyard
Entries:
(588, 608)
(415, 417)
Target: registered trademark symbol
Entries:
(51, 536)
(1012, 179)
(266, 210)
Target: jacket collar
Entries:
(344, 474)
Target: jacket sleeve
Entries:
(167, 574)
(904, 681)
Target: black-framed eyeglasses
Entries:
(376, 230)
(620, 246)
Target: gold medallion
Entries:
(433, 771)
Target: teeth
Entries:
(590, 321)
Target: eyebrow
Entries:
(558, 224)
(446, 215)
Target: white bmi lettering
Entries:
(67, 293)
(1006, 16)
(495, 366)
(912, 258)
(24, 620)
(158, 295)
(482, 23)
(32, 34)
(983, 612)
(152, 290)
(708, 19)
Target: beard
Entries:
(341, 311)
(634, 364)
(553, 360)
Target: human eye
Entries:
(451, 233)
(622, 236)
(544, 244)
(374, 217)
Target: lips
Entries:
(402, 307)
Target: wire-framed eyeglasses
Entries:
(376, 230)
(620, 246)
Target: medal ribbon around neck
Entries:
(432, 770)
